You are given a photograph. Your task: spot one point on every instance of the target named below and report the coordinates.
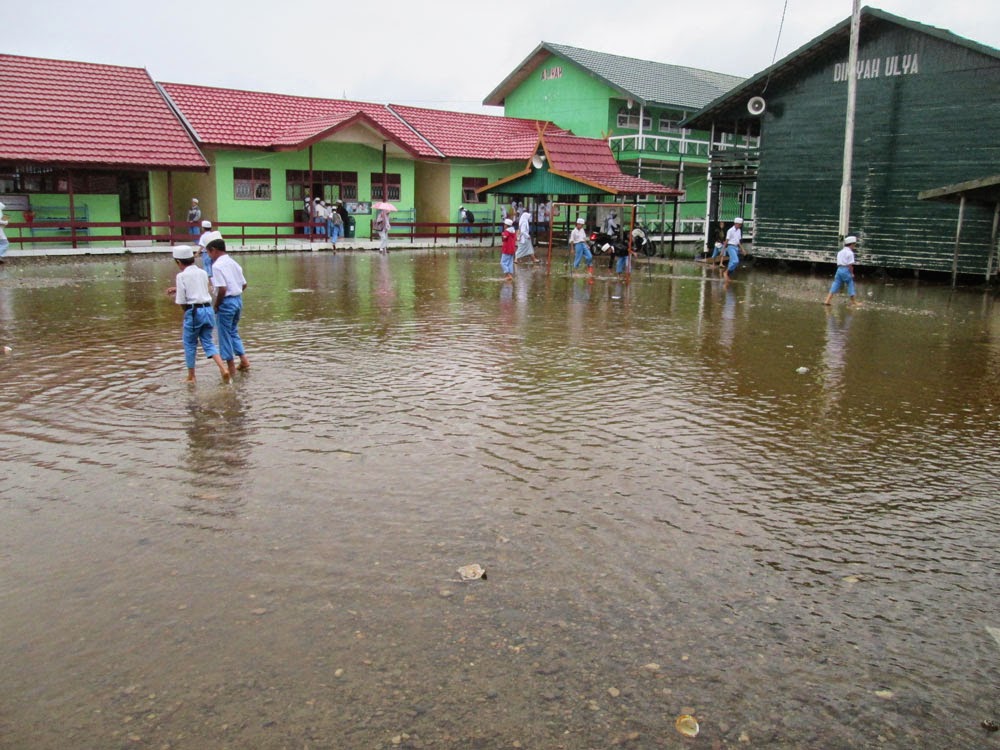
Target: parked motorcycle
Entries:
(642, 242)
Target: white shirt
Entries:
(226, 272)
(192, 286)
(735, 235)
(579, 234)
(845, 257)
(208, 236)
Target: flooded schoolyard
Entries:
(732, 503)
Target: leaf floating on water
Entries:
(472, 572)
(687, 725)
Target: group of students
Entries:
(732, 248)
(515, 244)
(334, 215)
(212, 299)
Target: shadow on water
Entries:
(731, 502)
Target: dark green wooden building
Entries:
(927, 116)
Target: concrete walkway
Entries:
(292, 246)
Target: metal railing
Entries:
(111, 233)
(126, 233)
(679, 145)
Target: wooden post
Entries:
(72, 208)
(993, 242)
(958, 238)
(170, 209)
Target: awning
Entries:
(985, 191)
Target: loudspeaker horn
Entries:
(537, 161)
(756, 105)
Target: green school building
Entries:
(637, 106)
(109, 148)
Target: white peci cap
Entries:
(581, 220)
(183, 252)
(206, 224)
(738, 220)
(508, 222)
(850, 240)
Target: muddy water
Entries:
(674, 516)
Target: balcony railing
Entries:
(679, 145)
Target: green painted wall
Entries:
(55, 207)
(491, 171)
(927, 115)
(326, 156)
(559, 91)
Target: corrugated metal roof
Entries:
(85, 114)
(644, 81)
(733, 103)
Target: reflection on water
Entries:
(731, 502)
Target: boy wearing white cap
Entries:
(845, 270)
(508, 246)
(191, 293)
(734, 247)
(207, 235)
(230, 283)
(578, 240)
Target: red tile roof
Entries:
(253, 119)
(590, 160)
(476, 136)
(84, 114)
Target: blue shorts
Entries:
(843, 277)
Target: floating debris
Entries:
(687, 725)
(7, 350)
(472, 572)
(991, 726)
(802, 370)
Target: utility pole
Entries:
(852, 96)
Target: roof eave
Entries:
(732, 99)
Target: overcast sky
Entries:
(443, 55)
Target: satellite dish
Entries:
(537, 161)
(756, 105)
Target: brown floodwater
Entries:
(732, 503)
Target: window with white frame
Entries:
(629, 118)
(672, 124)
